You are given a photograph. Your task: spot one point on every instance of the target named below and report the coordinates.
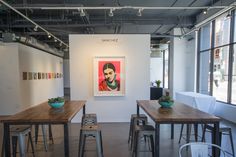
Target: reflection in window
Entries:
(205, 41)
(222, 30)
(204, 84)
(234, 78)
(220, 73)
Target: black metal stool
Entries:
(224, 130)
(90, 131)
(142, 118)
(145, 131)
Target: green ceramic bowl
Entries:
(166, 104)
(56, 104)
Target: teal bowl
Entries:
(166, 104)
(56, 104)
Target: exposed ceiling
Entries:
(61, 21)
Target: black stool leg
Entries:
(152, 145)
(232, 143)
(36, 131)
(31, 143)
(50, 133)
(181, 132)
(14, 145)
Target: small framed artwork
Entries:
(30, 75)
(35, 76)
(24, 75)
(109, 76)
(43, 76)
(57, 75)
(39, 76)
(49, 75)
(46, 75)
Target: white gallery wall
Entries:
(182, 64)
(17, 94)
(135, 49)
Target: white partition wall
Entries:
(17, 94)
(135, 49)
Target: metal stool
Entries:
(136, 120)
(44, 135)
(89, 119)
(90, 131)
(146, 131)
(188, 133)
(18, 133)
(224, 130)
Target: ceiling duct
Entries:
(11, 37)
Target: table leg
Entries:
(137, 109)
(84, 110)
(66, 140)
(196, 132)
(157, 140)
(216, 139)
(7, 140)
(172, 131)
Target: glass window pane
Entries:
(204, 81)
(205, 37)
(220, 74)
(222, 30)
(233, 100)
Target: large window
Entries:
(215, 69)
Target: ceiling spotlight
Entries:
(60, 44)
(204, 12)
(49, 36)
(111, 13)
(36, 28)
(139, 13)
(55, 40)
(82, 13)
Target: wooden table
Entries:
(178, 114)
(44, 114)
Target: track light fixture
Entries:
(36, 28)
(49, 36)
(139, 13)
(82, 13)
(111, 13)
(205, 11)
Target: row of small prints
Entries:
(40, 75)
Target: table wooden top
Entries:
(178, 113)
(43, 113)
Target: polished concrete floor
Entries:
(115, 136)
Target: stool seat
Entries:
(89, 119)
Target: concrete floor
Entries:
(115, 137)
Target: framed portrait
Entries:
(109, 76)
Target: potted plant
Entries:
(158, 82)
(56, 102)
(166, 101)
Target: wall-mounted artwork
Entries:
(49, 75)
(39, 76)
(24, 75)
(35, 76)
(109, 76)
(30, 75)
(43, 76)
